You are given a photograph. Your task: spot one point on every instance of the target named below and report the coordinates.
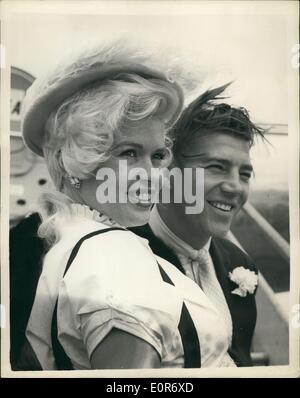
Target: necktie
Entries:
(205, 274)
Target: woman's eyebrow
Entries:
(127, 143)
(135, 145)
(161, 148)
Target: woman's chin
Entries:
(137, 216)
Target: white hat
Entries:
(45, 95)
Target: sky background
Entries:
(251, 50)
(248, 48)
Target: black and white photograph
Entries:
(150, 189)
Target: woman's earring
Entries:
(74, 181)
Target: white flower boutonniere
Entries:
(245, 279)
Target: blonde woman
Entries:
(104, 300)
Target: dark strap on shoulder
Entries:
(61, 359)
(187, 330)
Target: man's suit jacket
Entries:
(226, 256)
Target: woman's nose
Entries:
(146, 164)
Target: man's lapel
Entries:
(223, 265)
(242, 309)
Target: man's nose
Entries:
(232, 183)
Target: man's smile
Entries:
(221, 206)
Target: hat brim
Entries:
(33, 126)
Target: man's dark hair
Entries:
(204, 115)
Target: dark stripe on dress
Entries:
(190, 341)
(187, 330)
(62, 361)
(164, 275)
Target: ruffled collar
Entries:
(84, 211)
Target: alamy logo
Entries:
(163, 185)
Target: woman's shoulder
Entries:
(113, 241)
(112, 269)
(76, 231)
(110, 254)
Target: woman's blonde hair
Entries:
(80, 133)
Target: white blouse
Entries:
(114, 282)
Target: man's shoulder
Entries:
(157, 245)
(233, 253)
(144, 231)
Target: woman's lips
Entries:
(141, 199)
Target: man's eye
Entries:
(129, 153)
(215, 167)
(246, 175)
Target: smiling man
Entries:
(217, 138)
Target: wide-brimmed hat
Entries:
(46, 95)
